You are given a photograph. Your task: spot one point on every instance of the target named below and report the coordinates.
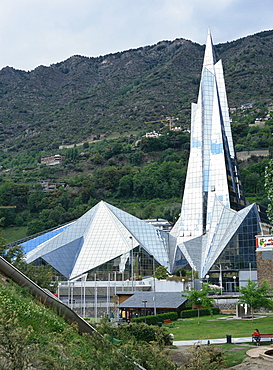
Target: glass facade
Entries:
(215, 225)
(104, 239)
(240, 251)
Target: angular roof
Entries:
(203, 251)
(167, 300)
(100, 235)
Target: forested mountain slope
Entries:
(45, 108)
(82, 98)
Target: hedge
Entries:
(155, 319)
(202, 312)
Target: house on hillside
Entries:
(52, 160)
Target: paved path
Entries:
(213, 341)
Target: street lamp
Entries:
(234, 282)
(183, 285)
(199, 302)
(144, 302)
(207, 277)
(132, 265)
(154, 297)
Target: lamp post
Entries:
(144, 302)
(154, 296)
(132, 265)
(234, 282)
(207, 278)
(199, 302)
(220, 280)
(183, 285)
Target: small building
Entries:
(52, 160)
(247, 106)
(152, 134)
(49, 185)
(141, 303)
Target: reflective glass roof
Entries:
(100, 235)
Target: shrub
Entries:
(155, 319)
(137, 331)
(203, 312)
(206, 358)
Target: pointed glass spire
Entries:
(209, 57)
(212, 168)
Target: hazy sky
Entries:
(44, 32)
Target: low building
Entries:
(49, 185)
(52, 160)
(146, 303)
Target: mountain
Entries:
(78, 98)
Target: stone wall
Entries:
(265, 265)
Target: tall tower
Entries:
(212, 168)
(213, 185)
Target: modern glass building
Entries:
(215, 226)
(105, 239)
(216, 229)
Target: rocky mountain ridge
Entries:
(70, 101)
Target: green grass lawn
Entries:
(11, 234)
(214, 327)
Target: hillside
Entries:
(119, 92)
(33, 336)
(111, 98)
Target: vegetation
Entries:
(31, 335)
(108, 158)
(217, 327)
(44, 340)
(202, 312)
(150, 189)
(206, 358)
(199, 299)
(120, 92)
(161, 273)
(41, 275)
(256, 296)
(155, 319)
(269, 188)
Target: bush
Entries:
(137, 331)
(207, 358)
(146, 333)
(202, 312)
(154, 319)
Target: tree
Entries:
(14, 254)
(199, 299)
(269, 188)
(35, 226)
(41, 275)
(161, 272)
(256, 296)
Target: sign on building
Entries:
(264, 241)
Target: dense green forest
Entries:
(143, 175)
